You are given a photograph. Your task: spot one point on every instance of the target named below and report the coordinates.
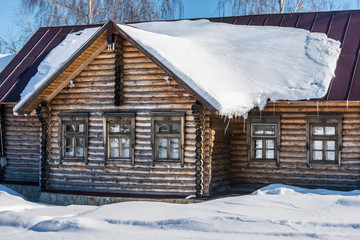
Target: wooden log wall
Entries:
(293, 169)
(145, 88)
(22, 147)
(220, 163)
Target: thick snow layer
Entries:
(275, 212)
(55, 60)
(4, 60)
(236, 68)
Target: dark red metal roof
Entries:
(339, 25)
(343, 26)
(16, 75)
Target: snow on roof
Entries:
(5, 59)
(55, 60)
(236, 68)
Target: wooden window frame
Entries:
(119, 118)
(324, 121)
(165, 117)
(71, 118)
(265, 120)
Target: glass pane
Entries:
(258, 154)
(330, 155)
(79, 147)
(330, 131)
(81, 127)
(270, 154)
(114, 152)
(175, 128)
(318, 130)
(74, 127)
(125, 142)
(162, 153)
(330, 145)
(174, 143)
(258, 144)
(69, 147)
(79, 151)
(174, 153)
(164, 128)
(162, 142)
(114, 142)
(71, 127)
(125, 153)
(270, 144)
(318, 145)
(114, 127)
(258, 130)
(124, 128)
(317, 155)
(269, 130)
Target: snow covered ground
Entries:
(275, 212)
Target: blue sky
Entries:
(192, 9)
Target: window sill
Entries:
(263, 162)
(324, 162)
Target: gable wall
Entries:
(22, 147)
(293, 169)
(144, 91)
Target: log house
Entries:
(114, 120)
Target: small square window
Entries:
(324, 136)
(168, 137)
(263, 138)
(73, 133)
(119, 135)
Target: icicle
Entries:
(317, 108)
(227, 125)
(244, 126)
(347, 104)
(274, 109)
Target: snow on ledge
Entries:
(54, 61)
(236, 68)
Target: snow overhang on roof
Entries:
(236, 68)
(229, 68)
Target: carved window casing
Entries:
(168, 137)
(74, 136)
(324, 134)
(119, 136)
(263, 138)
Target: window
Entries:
(324, 139)
(74, 135)
(263, 138)
(119, 136)
(168, 137)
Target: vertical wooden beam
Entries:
(118, 89)
(42, 112)
(199, 150)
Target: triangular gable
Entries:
(69, 69)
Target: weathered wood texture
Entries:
(145, 88)
(22, 147)
(293, 169)
(220, 162)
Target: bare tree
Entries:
(69, 12)
(273, 6)
(32, 14)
